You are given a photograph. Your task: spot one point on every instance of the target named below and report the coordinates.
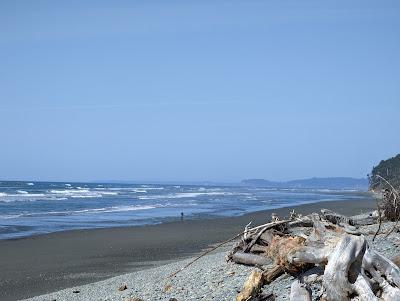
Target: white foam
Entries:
(103, 210)
(60, 191)
(30, 184)
(9, 216)
(4, 197)
(81, 193)
(82, 196)
(138, 190)
(109, 193)
(182, 195)
(55, 194)
(152, 187)
(121, 189)
(128, 208)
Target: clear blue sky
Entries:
(197, 90)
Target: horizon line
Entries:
(184, 182)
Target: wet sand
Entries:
(46, 263)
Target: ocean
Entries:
(31, 208)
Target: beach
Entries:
(209, 278)
(47, 263)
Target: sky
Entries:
(197, 90)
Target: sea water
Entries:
(30, 208)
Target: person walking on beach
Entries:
(181, 216)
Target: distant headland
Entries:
(312, 183)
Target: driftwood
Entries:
(336, 218)
(251, 287)
(300, 292)
(228, 257)
(337, 271)
(254, 240)
(347, 267)
(367, 219)
(305, 221)
(250, 259)
(396, 260)
(256, 249)
(273, 273)
(264, 297)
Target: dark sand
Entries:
(46, 263)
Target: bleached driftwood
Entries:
(381, 271)
(304, 221)
(247, 230)
(299, 292)
(336, 218)
(366, 219)
(336, 276)
(348, 267)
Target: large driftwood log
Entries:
(336, 282)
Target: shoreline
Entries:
(45, 263)
(202, 216)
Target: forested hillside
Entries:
(388, 169)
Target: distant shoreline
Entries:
(50, 262)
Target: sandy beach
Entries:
(47, 263)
